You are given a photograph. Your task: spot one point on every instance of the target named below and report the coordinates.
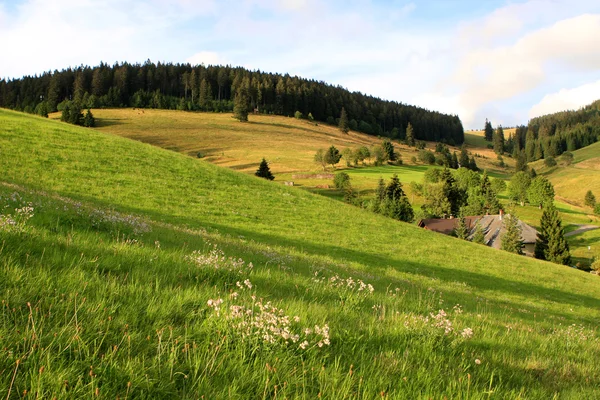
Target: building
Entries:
(493, 228)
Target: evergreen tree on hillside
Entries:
(472, 164)
(521, 161)
(511, 240)
(551, 244)
(89, 120)
(410, 135)
(461, 231)
(499, 140)
(479, 234)
(394, 203)
(241, 104)
(264, 171)
(343, 124)
(388, 147)
(488, 131)
(463, 160)
(590, 199)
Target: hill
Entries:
(214, 88)
(114, 286)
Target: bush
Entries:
(549, 161)
(298, 115)
(341, 180)
(597, 209)
(498, 186)
(595, 265)
(427, 157)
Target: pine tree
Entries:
(590, 199)
(410, 135)
(461, 230)
(499, 140)
(380, 191)
(463, 161)
(488, 131)
(343, 124)
(240, 104)
(264, 171)
(454, 162)
(89, 120)
(551, 244)
(521, 161)
(511, 240)
(473, 165)
(388, 147)
(479, 234)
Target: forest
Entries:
(553, 134)
(213, 88)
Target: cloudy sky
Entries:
(503, 60)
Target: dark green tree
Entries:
(512, 239)
(473, 165)
(590, 199)
(488, 131)
(341, 180)
(343, 124)
(332, 156)
(551, 244)
(499, 140)
(521, 161)
(89, 120)
(264, 171)
(395, 204)
(241, 104)
(410, 135)
(463, 160)
(388, 147)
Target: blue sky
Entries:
(503, 60)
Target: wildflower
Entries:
(477, 361)
(467, 333)
(248, 283)
(303, 345)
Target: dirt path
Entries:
(581, 229)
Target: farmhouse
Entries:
(493, 228)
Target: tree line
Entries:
(214, 88)
(548, 136)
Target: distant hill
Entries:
(213, 88)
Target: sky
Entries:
(507, 61)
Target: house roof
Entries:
(493, 228)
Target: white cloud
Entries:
(567, 99)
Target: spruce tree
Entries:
(521, 161)
(499, 140)
(488, 131)
(473, 165)
(343, 124)
(479, 234)
(89, 120)
(511, 240)
(461, 230)
(590, 199)
(410, 135)
(264, 171)
(463, 161)
(240, 104)
(551, 244)
(332, 156)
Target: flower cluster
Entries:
(216, 259)
(257, 322)
(574, 333)
(123, 222)
(16, 221)
(439, 321)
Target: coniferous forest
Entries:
(214, 88)
(553, 134)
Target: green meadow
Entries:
(129, 271)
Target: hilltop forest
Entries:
(213, 88)
(553, 134)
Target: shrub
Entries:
(597, 209)
(341, 180)
(595, 265)
(549, 161)
(427, 157)
(298, 115)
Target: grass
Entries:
(101, 297)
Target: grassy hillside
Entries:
(571, 182)
(113, 288)
(287, 143)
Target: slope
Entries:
(102, 291)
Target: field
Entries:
(130, 277)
